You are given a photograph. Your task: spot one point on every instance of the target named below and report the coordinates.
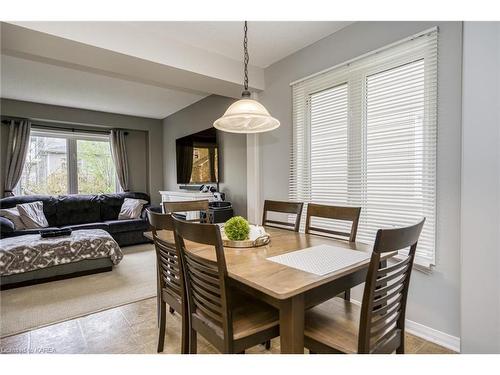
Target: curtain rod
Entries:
(74, 130)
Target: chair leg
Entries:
(185, 332)
(401, 348)
(162, 326)
(158, 310)
(171, 310)
(267, 344)
(193, 341)
(347, 295)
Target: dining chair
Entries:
(284, 208)
(378, 326)
(189, 206)
(337, 213)
(349, 214)
(170, 279)
(228, 319)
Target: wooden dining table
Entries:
(288, 289)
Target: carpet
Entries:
(30, 307)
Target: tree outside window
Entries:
(62, 164)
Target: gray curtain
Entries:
(119, 154)
(17, 148)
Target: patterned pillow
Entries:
(13, 215)
(32, 215)
(131, 208)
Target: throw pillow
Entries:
(13, 215)
(131, 208)
(32, 215)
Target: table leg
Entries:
(292, 325)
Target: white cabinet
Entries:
(176, 196)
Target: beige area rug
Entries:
(30, 307)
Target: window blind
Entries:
(364, 134)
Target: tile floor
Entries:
(132, 329)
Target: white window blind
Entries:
(364, 134)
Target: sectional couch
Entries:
(83, 212)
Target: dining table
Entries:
(290, 290)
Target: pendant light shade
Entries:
(246, 115)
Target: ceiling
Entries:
(50, 84)
(226, 38)
(149, 69)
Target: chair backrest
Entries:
(206, 280)
(170, 275)
(188, 206)
(282, 207)
(383, 308)
(335, 213)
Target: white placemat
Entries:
(321, 259)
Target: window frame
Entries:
(71, 138)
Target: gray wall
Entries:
(233, 157)
(144, 141)
(434, 299)
(480, 288)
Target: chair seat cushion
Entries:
(172, 299)
(250, 316)
(103, 226)
(334, 323)
(119, 226)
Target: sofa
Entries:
(83, 212)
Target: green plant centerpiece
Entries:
(237, 229)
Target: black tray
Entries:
(56, 233)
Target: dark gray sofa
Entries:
(83, 212)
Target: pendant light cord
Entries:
(245, 56)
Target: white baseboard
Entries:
(433, 335)
(429, 334)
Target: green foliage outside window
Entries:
(46, 169)
(96, 172)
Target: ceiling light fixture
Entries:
(246, 115)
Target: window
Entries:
(46, 167)
(365, 135)
(68, 163)
(96, 171)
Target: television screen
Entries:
(198, 158)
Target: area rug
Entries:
(30, 307)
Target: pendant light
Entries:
(246, 115)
